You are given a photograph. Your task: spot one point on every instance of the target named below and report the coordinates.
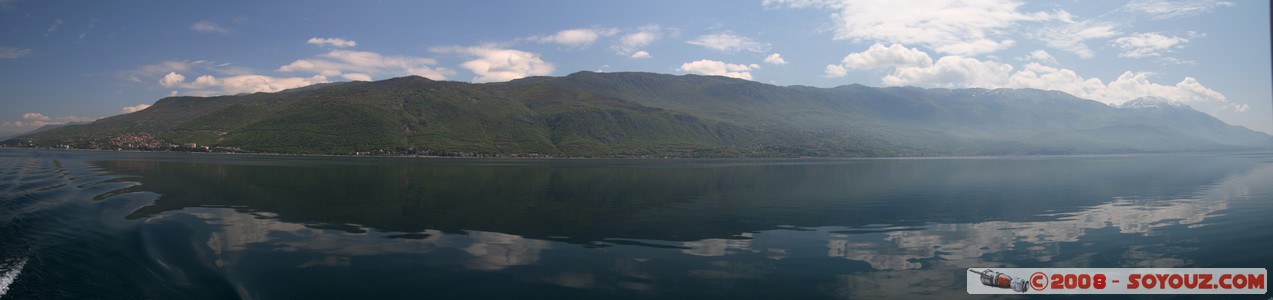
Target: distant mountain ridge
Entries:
(588, 114)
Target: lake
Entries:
(118, 225)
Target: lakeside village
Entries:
(148, 142)
(132, 142)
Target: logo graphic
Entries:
(1117, 280)
(995, 279)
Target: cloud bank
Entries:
(493, 64)
(912, 67)
(712, 67)
(949, 27)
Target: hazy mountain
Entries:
(631, 114)
(38, 130)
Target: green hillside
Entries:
(590, 114)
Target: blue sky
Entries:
(66, 61)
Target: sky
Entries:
(74, 61)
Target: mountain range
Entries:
(589, 114)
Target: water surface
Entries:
(109, 225)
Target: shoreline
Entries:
(651, 158)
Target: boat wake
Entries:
(11, 275)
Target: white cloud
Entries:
(209, 27)
(134, 108)
(156, 72)
(835, 71)
(1149, 44)
(1072, 37)
(1239, 107)
(56, 23)
(964, 72)
(205, 80)
(729, 43)
(878, 56)
(208, 85)
(493, 64)
(712, 67)
(367, 63)
(332, 42)
(951, 71)
(1163, 9)
(172, 79)
(14, 53)
(631, 43)
(1175, 61)
(1034, 75)
(1128, 86)
(960, 72)
(639, 39)
(578, 37)
(952, 27)
(640, 54)
(1039, 56)
(89, 29)
(211, 85)
(775, 59)
(35, 117)
(1131, 85)
(221, 78)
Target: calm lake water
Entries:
(105, 225)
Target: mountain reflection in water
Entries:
(300, 227)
